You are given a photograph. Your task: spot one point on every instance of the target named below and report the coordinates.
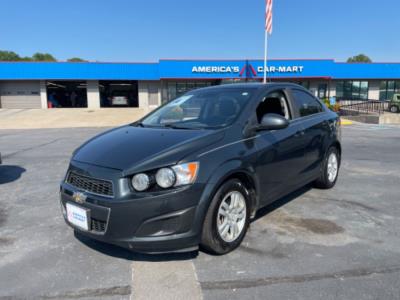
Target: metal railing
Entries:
(367, 107)
(342, 102)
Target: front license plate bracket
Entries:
(78, 216)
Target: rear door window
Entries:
(305, 103)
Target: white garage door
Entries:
(20, 94)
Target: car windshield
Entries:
(200, 109)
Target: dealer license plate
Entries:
(77, 216)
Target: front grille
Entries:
(98, 226)
(91, 185)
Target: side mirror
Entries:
(272, 122)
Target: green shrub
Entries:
(335, 107)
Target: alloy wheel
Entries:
(332, 168)
(231, 217)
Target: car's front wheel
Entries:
(329, 170)
(227, 218)
(394, 109)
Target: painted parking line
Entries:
(165, 280)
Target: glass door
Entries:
(322, 89)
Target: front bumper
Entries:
(168, 221)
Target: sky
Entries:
(149, 30)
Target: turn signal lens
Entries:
(186, 173)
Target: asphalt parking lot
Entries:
(342, 243)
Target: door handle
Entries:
(299, 133)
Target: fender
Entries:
(333, 138)
(222, 173)
(231, 167)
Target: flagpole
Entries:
(265, 55)
(267, 30)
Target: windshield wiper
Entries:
(176, 126)
(137, 124)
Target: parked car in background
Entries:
(394, 105)
(120, 98)
(196, 170)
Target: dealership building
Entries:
(146, 85)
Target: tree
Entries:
(361, 58)
(26, 58)
(43, 57)
(9, 56)
(76, 59)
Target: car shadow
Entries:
(10, 173)
(281, 202)
(119, 252)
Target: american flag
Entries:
(268, 16)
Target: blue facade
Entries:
(196, 69)
(78, 71)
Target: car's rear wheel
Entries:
(394, 109)
(227, 218)
(329, 170)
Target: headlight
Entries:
(141, 182)
(165, 177)
(178, 175)
(186, 173)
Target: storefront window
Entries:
(339, 90)
(355, 90)
(305, 84)
(352, 90)
(347, 90)
(388, 88)
(364, 90)
(174, 89)
(171, 93)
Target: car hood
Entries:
(134, 149)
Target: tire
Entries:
(212, 241)
(394, 109)
(325, 180)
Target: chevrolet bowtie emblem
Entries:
(79, 197)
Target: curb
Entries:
(346, 122)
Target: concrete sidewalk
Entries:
(68, 117)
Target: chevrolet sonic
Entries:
(195, 171)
